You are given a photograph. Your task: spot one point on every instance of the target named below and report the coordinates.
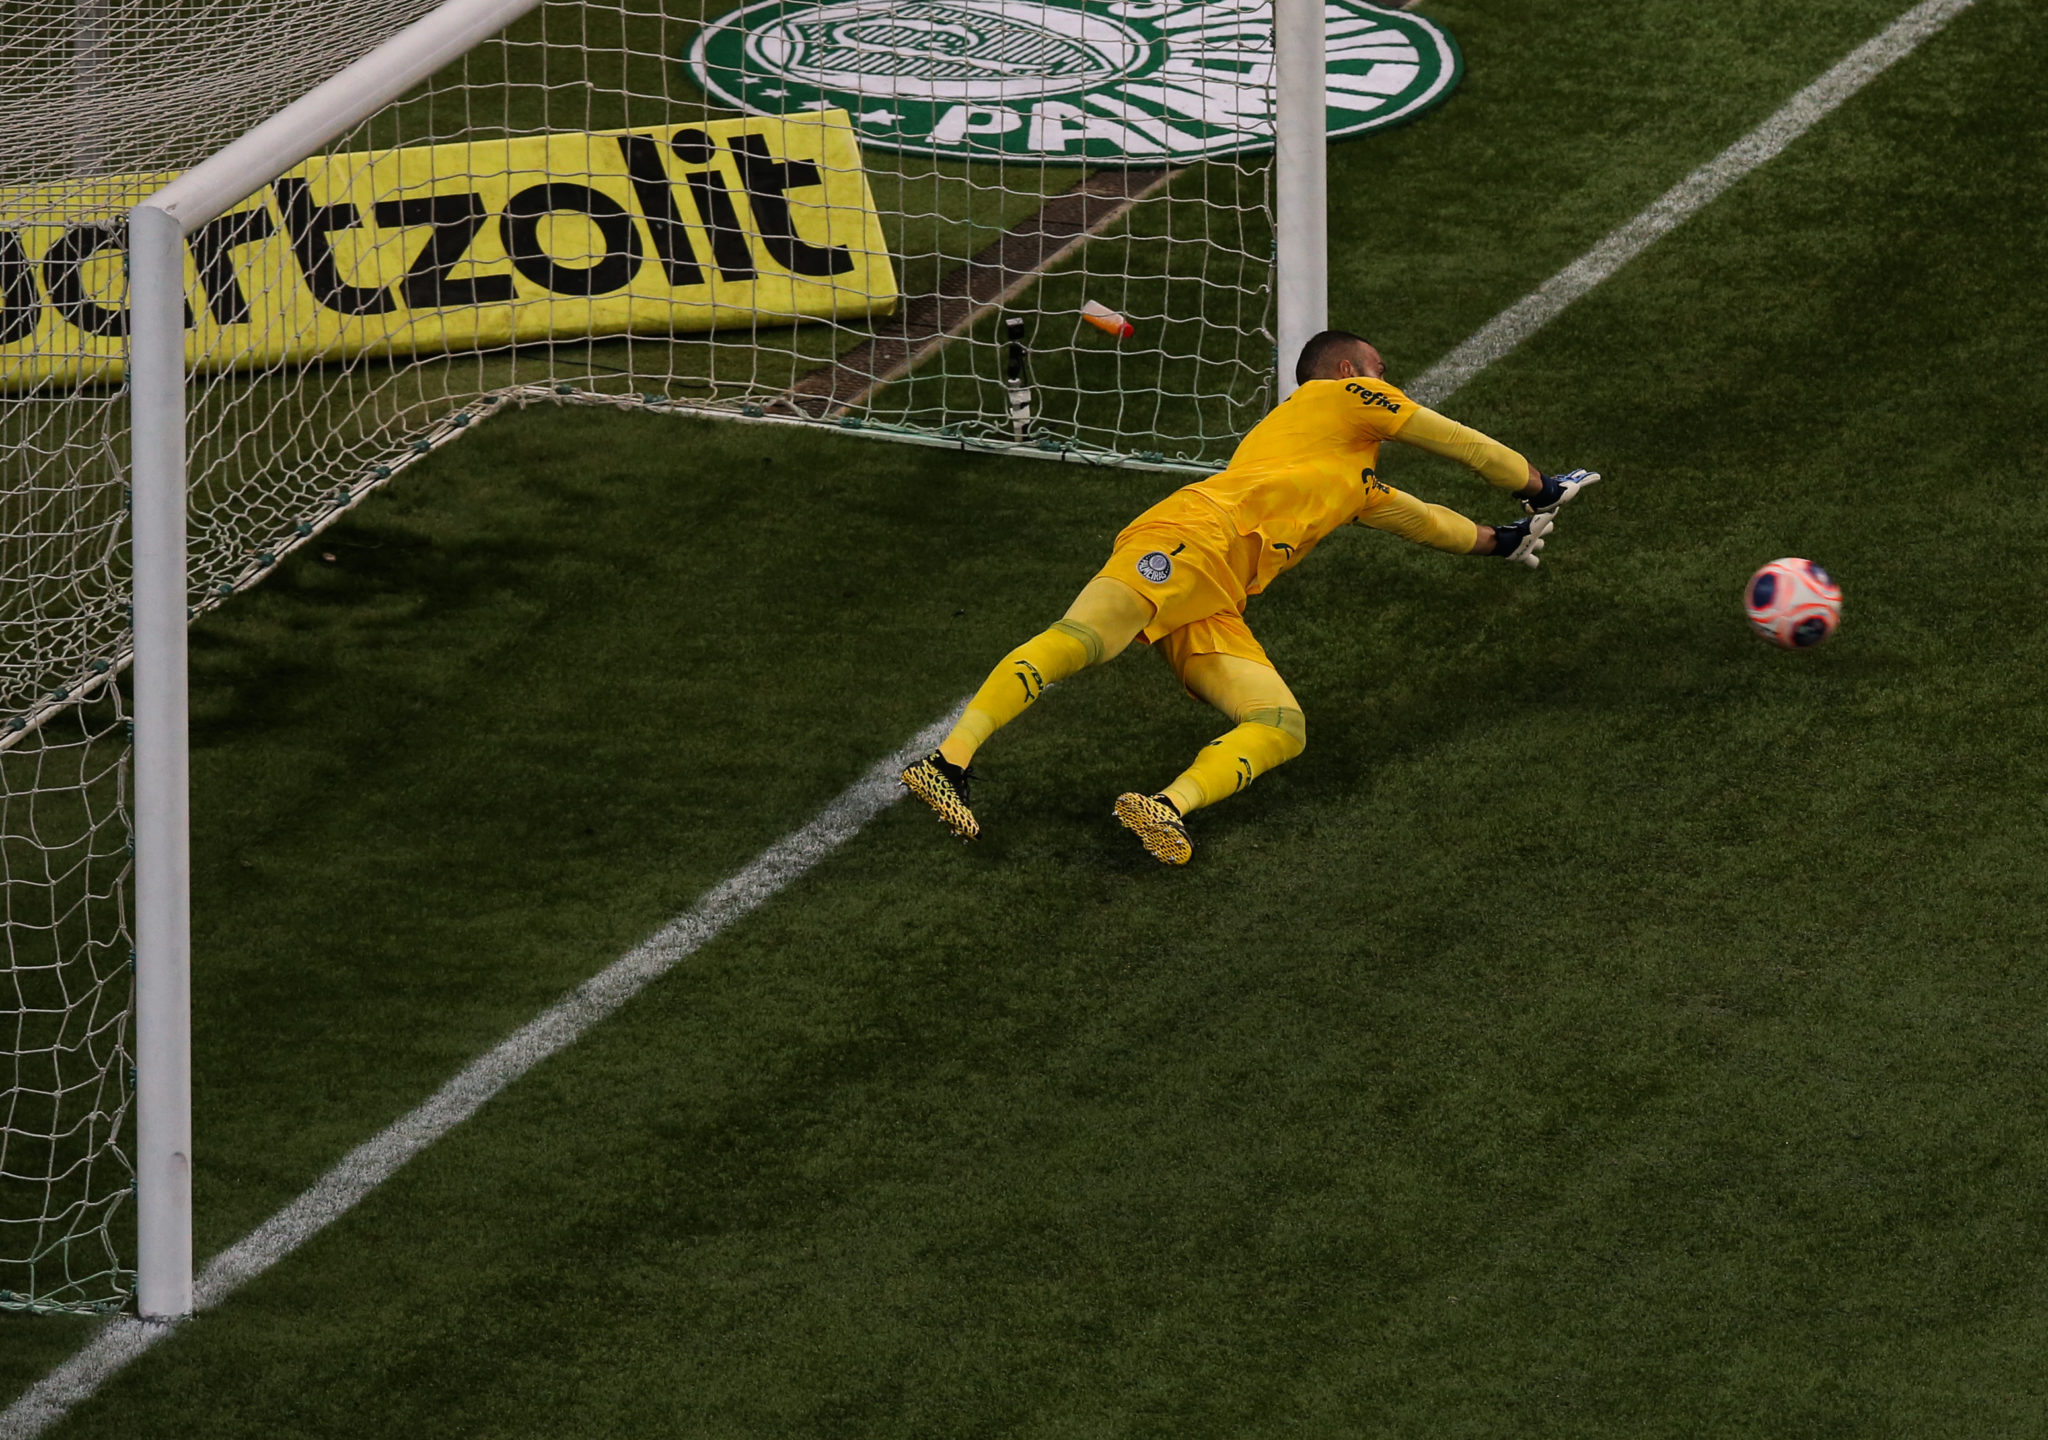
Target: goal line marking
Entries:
(123, 1339)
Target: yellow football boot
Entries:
(944, 786)
(1158, 825)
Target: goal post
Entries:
(1301, 234)
(224, 326)
(162, 824)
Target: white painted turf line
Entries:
(374, 1162)
(555, 1029)
(1801, 113)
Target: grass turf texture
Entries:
(1609, 1026)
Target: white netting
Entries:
(366, 308)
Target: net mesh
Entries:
(656, 248)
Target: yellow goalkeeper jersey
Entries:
(1308, 467)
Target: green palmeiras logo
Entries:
(1081, 81)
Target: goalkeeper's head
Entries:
(1338, 355)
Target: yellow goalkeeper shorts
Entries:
(1224, 633)
(1184, 560)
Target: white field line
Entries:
(122, 1339)
(1800, 114)
(555, 1029)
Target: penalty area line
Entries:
(1801, 113)
(370, 1164)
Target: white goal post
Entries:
(1301, 202)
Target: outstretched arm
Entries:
(1399, 513)
(1441, 435)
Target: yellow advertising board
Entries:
(466, 246)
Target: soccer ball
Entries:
(1793, 603)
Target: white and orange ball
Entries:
(1793, 603)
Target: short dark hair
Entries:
(1322, 348)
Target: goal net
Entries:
(1034, 226)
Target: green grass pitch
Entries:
(1610, 1026)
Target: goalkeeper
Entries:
(1180, 574)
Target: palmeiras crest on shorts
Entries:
(1156, 566)
(1074, 81)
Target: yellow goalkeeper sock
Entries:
(1267, 737)
(1044, 659)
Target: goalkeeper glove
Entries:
(1556, 490)
(1523, 540)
